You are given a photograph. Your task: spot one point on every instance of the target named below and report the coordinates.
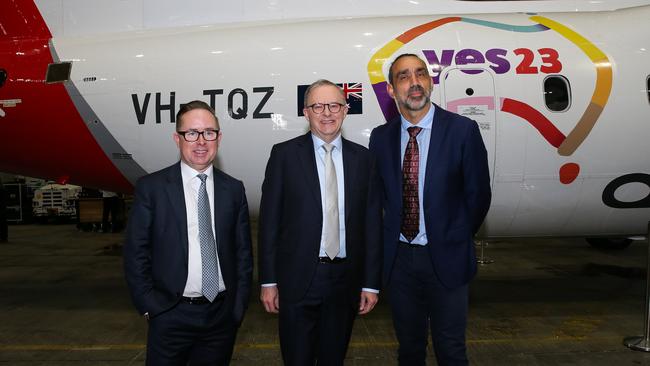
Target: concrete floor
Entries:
(63, 301)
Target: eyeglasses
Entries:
(319, 108)
(193, 135)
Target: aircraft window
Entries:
(557, 93)
(58, 72)
(3, 77)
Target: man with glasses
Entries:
(187, 257)
(319, 234)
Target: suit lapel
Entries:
(307, 160)
(176, 196)
(219, 195)
(395, 153)
(435, 141)
(350, 162)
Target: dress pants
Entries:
(192, 334)
(419, 301)
(317, 329)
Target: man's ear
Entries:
(389, 89)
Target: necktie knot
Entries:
(202, 177)
(414, 131)
(328, 147)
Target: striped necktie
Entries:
(210, 270)
(332, 234)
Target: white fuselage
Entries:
(135, 81)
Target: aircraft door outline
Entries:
(471, 92)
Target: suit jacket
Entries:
(456, 193)
(291, 219)
(156, 248)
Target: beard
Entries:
(417, 104)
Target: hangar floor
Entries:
(542, 302)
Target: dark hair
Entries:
(390, 70)
(318, 83)
(195, 104)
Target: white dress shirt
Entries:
(191, 185)
(337, 158)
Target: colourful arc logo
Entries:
(566, 145)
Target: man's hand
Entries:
(368, 302)
(270, 300)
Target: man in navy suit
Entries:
(319, 267)
(187, 257)
(434, 170)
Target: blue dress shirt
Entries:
(423, 139)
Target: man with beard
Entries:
(435, 175)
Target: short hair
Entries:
(195, 104)
(319, 83)
(390, 69)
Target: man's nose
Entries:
(413, 79)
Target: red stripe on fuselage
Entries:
(44, 135)
(554, 136)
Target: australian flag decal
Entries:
(353, 93)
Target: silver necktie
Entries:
(332, 233)
(210, 271)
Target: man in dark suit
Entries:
(319, 234)
(188, 259)
(434, 170)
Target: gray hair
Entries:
(319, 83)
(390, 69)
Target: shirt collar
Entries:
(425, 122)
(318, 143)
(189, 173)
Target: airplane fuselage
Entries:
(579, 169)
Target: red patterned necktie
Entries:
(410, 200)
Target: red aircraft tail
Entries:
(43, 133)
(21, 19)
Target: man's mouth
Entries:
(416, 92)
